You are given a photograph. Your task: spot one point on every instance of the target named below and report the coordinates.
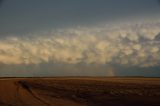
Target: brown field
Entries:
(80, 91)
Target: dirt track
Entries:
(79, 91)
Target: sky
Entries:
(80, 38)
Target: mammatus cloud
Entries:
(133, 45)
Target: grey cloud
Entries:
(21, 16)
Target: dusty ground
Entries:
(78, 91)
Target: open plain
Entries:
(80, 91)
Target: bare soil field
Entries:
(80, 91)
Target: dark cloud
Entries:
(27, 16)
(1, 1)
(158, 1)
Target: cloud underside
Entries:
(132, 45)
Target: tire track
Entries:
(25, 86)
(18, 94)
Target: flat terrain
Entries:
(80, 91)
